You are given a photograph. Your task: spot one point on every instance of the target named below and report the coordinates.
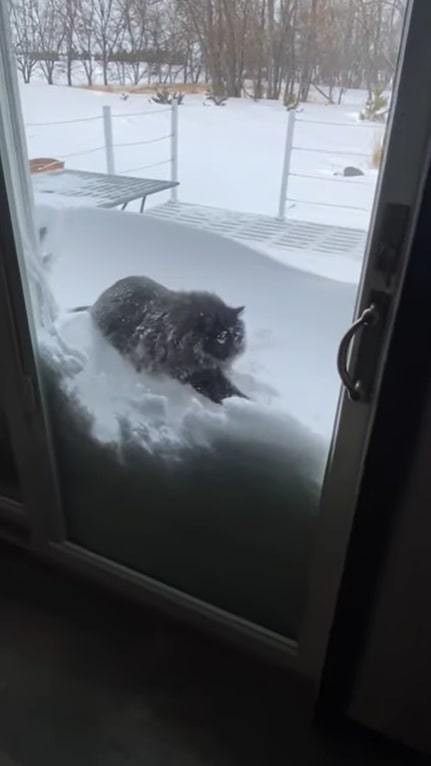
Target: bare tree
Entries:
(283, 50)
(25, 35)
(108, 31)
(223, 28)
(270, 87)
(265, 48)
(188, 46)
(50, 36)
(68, 12)
(308, 32)
(85, 36)
(135, 17)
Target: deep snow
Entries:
(229, 157)
(218, 501)
(293, 321)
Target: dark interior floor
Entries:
(86, 678)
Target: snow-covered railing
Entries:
(109, 146)
(172, 137)
(290, 147)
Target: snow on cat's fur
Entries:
(190, 336)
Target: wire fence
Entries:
(143, 114)
(62, 122)
(110, 146)
(291, 147)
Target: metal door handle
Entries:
(370, 316)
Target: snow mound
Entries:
(293, 324)
(165, 417)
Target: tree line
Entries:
(275, 49)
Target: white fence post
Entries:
(109, 141)
(174, 149)
(291, 115)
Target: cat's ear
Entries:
(238, 311)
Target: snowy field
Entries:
(293, 320)
(230, 157)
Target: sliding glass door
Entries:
(181, 271)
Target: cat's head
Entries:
(223, 332)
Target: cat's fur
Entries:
(191, 336)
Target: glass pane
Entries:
(203, 177)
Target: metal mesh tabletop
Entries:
(97, 189)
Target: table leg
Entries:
(123, 207)
(142, 204)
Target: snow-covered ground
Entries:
(229, 157)
(293, 320)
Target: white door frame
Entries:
(406, 163)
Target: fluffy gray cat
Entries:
(190, 336)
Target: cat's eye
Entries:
(222, 336)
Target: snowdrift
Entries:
(215, 500)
